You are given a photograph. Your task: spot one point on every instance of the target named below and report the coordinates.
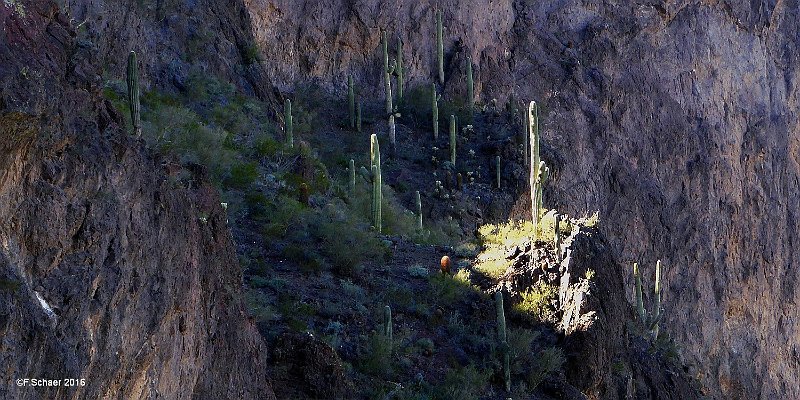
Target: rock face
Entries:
(674, 119)
(110, 270)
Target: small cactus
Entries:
(133, 94)
(497, 164)
(459, 181)
(453, 139)
(440, 46)
(351, 101)
(501, 335)
(543, 176)
(287, 118)
(435, 109)
(419, 210)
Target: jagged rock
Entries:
(106, 272)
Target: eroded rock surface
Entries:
(110, 270)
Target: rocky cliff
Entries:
(675, 119)
(111, 269)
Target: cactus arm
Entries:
(639, 299)
(656, 314)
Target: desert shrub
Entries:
(376, 357)
(465, 383)
(537, 302)
(242, 175)
(519, 345)
(545, 363)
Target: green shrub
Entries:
(242, 175)
(468, 383)
(537, 302)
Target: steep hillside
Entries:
(111, 269)
(674, 119)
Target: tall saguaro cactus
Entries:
(377, 196)
(453, 139)
(419, 210)
(501, 335)
(387, 74)
(133, 93)
(435, 110)
(399, 70)
(470, 88)
(351, 101)
(533, 129)
(525, 138)
(650, 321)
(287, 122)
(440, 46)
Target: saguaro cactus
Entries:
(358, 117)
(287, 121)
(440, 46)
(387, 74)
(351, 101)
(377, 197)
(387, 325)
(497, 163)
(435, 109)
(133, 94)
(501, 335)
(399, 70)
(533, 129)
(453, 139)
(470, 88)
(419, 210)
(352, 176)
(649, 321)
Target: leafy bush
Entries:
(537, 302)
(466, 383)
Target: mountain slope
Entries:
(111, 270)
